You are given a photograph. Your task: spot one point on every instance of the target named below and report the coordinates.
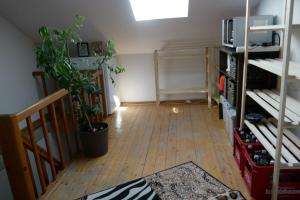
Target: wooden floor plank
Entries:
(144, 140)
(171, 156)
(164, 112)
(113, 166)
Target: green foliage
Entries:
(53, 58)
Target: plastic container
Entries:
(259, 179)
(229, 117)
(238, 153)
(231, 92)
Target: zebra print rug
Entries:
(186, 181)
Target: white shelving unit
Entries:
(271, 102)
(273, 134)
(275, 66)
(206, 53)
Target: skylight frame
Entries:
(145, 10)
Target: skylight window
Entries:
(159, 9)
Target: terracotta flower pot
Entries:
(95, 144)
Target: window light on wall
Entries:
(159, 9)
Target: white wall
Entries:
(5, 192)
(17, 61)
(137, 84)
(17, 86)
(111, 91)
(113, 19)
(113, 98)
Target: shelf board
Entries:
(275, 66)
(268, 146)
(181, 54)
(290, 166)
(272, 27)
(174, 57)
(184, 91)
(292, 104)
(270, 101)
(266, 133)
(257, 49)
(267, 28)
(182, 51)
(289, 139)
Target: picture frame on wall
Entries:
(83, 49)
(97, 47)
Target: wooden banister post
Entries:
(103, 97)
(17, 167)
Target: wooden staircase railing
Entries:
(54, 112)
(99, 79)
(15, 143)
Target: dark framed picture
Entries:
(83, 49)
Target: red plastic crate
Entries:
(259, 180)
(238, 145)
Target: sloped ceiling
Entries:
(113, 19)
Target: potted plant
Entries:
(54, 59)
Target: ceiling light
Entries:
(159, 9)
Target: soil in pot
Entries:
(95, 144)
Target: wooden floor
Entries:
(144, 140)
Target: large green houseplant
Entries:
(54, 59)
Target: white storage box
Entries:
(229, 116)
